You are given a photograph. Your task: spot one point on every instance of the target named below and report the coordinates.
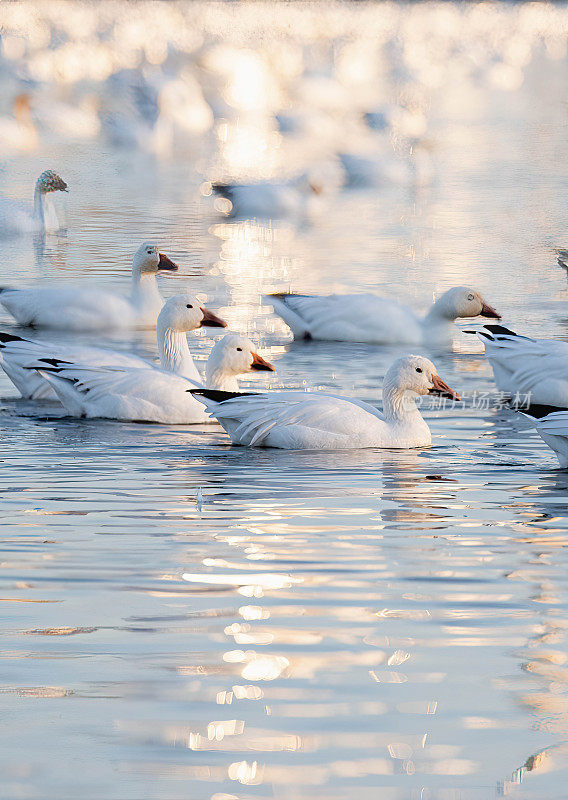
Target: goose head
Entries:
(417, 376)
(462, 301)
(235, 355)
(49, 181)
(184, 312)
(148, 261)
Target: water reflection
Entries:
(195, 620)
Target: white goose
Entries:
(268, 199)
(82, 308)
(18, 132)
(376, 320)
(17, 217)
(375, 169)
(179, 314)
(315, 421)
(147, 394)
(527, 369)
(553, 430)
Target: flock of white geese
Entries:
(95, 382)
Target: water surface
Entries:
(187, 619)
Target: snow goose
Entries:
(376, 320)
(316, 421)
(148, 394)
(18, 132)
(180, 313)
(78, 308)
(374, 170)
(268, 199)
(529, 369)
(233, 355)
(553, 430)
(17, 217)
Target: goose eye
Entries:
(470, 297)
(240, 349)
(418, 369)
(188, 306)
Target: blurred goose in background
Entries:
(535, 369)
(18, 132)
(148, 394)
(84, 308)
(267, 199)
(180, 313)
(181, 101)
(69, 120)
(376, 320)
(18, 217)
(562, 258)
(553, 430)
(317, 421)
(131, 117)
(376, 169)
(408, 122)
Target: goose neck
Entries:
(38, 205)
(174, 352)
(438, 323)
(398, 404)
(218, 378)
(146, 296)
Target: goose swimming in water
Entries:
(316, 421)
(553, 430)
(534, 370)
(82, 308)
(150, 394)
(268, 199)
(17, 217)
(180, 313)
(376, 320)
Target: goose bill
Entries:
(487, 311)
(167, 264)
(442, 389)
(258, 362)
(211, 320)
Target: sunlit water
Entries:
(184, 619)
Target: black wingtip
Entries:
(562, 258)
(55, 363)
(219, 396)
(536, 411)
(223, 189)
(500, 329)
(284, 295)
(9, 337)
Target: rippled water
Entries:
(184, 619)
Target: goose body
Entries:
(147, 394)
(17, 353)
(553, 430)
(374, 170)
(267, 199)
(376, 320)
(17, 217)
(315, 421)
(81, 308)
(531, 369)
